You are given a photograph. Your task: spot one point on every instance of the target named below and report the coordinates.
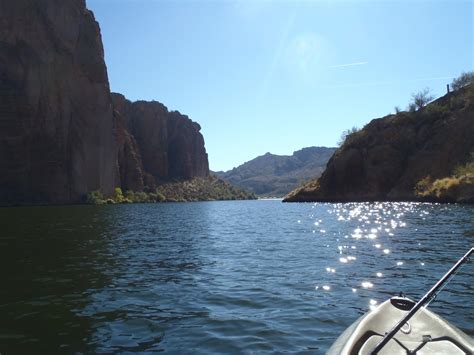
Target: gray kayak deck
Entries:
(425, 333)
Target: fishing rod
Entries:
(424, 301)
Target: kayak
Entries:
(424, 333)
(402, 326)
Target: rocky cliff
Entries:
(276, 175)
(56, 121)
(170, 144)
(390, 156)
(61, 136)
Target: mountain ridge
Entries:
(272, 175)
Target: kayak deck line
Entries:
(417, 330)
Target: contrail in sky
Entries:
(348, 65)
(389, 82)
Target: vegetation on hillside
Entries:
(420, 100)
(203, 189)
(465, 79)
(208, 188)
(449, 188)
(347, 135)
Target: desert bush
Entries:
(439, 188)
(347, 134)
(141, 197)
(423, 186)
(118, 196)
(95, 198)
(420, 100)
(465, 79)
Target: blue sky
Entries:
(277, 76)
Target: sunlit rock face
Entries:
(169, 143)
(389, 156)
(56, 120)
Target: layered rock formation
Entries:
(388, 158)
(273, 175)
(56, 122)
(60, 135)
(170, 144)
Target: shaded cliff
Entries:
(61, 134)
(390, 156)
(56, 121)
(130, 174)
(167, 145)
(276, 175)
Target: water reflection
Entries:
(50, 257)
(401, 230)
(158, 252)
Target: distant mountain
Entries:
(275, 175)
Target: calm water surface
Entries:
(220, 277)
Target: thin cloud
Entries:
(390, 82)
(348, 65)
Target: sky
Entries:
(276, 76)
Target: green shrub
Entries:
(423, 186)
(95, 198)
(118, 197)
(141, 197)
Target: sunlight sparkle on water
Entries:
(386, 251)
(379, 274)
(326, 288)
(367, 284)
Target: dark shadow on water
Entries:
(50, 260)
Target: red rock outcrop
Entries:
(388, 158)
(169, 143)
(56, 120)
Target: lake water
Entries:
(220, 277)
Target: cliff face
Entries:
(130, 174)
(56, 121)
(170, 144)
(390, 156)
(60, 135)
(276, 175)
